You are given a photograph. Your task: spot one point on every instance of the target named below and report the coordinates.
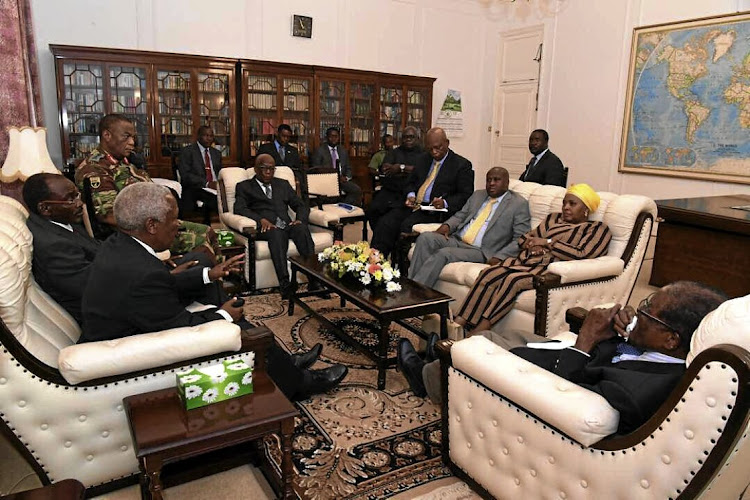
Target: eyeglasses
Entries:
(645, 304)
(65, 202)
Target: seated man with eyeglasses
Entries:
(633, 358)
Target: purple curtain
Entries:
(20, 102)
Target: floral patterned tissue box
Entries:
(211, 384)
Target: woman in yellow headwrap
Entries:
(561, 236)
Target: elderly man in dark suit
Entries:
(267, 200)
(146, 300)
(544, 167)
(331, 154)
(199, 168)
(280, 150)
(486, 229)
(437, 188)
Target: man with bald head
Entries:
(267, 200)
(485, 230)
(437, 188)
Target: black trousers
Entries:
(282, 371)
(278, 246)
(382, 203)
(399, 220)
(190, 197)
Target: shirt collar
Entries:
(276, 143)
(64, 226)
(441, 160)
(147, 247)
(499, 198)
(539, 156)
(261, 184)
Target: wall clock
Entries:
(302, 26)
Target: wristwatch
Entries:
(402, 167)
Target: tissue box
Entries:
(211, 384)
(225, 238)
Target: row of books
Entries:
(129, 80)
(179, 81)
(361, 135)
(129, 102)
(214, 83)
(415, 98)
(83, 75)
(176, 126)
(261, 84)
(390, 95)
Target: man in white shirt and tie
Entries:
(544, 167)
(485, 230)
(199, 168)
(331, 154)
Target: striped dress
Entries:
(495, 289)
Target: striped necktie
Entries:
(428, 182)
(481, 218)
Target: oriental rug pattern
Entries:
(355, 442)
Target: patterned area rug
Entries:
(355, 442)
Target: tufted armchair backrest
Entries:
(619, 212)
(37, 322)
(231, 176)
(727, 324)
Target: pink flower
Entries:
(373, 268)
(375, 256)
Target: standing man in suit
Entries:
(441, 180)
(145, 298)
(267, 201)
(199, 168)
(281, 151)
(331, 154)
(544, 167)
(486, 229)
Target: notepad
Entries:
(430, 208)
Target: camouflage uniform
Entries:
(107, 177)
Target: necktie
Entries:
(207, 161)
(423, 193)
(625, 352)
(532, 163)
(476, 226)
(334, 157)
(267, 189)
(282, 153)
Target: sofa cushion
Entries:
(727, 324)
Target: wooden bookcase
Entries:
(170, 95)
(167, 95)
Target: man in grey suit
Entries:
(331, 154)
(486, 229)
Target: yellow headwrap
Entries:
(586, 194)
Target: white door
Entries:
(516, 98)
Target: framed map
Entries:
(687, 111)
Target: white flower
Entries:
(321, 257)
(219, 378)
(240, 365)
(387, 274)
(392, 286)
(366, 279)
(231, 388)
(190, 379)
(396, 273)
(247, 379)
(192, 391)
(210, 395)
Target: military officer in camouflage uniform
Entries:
(109, 171)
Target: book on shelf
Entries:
(262, 101)
(83, 76)
(261, 83)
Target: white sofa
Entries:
(259, 271)
(551, 442)
(61, 403)
(582, 283)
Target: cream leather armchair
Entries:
(61, 403)
(580, 283)
(259, 271)
(554, 441)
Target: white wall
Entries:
(446, 39)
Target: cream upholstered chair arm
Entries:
(82, 362)
(571, 271)
(581, 414)
(425, 228)
(239, 223)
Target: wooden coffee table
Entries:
(164, 431)
(413, 300)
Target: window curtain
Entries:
(20, 101)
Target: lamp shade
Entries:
(27, 154)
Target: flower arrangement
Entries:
(361, 262)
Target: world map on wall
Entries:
(689, 109)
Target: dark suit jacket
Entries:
(291, 155)
(549, 170)
(193, 168)
(130, 291)
(251, 201)
(634, 388)
(322, 158)
(454, 182)
(62, 261)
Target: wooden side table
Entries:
(164, 431)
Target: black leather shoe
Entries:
(319, 381)
(410, 364)
(305, 360)
(430, 354)
(287, 289)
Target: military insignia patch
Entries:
(95, 181)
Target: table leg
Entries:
(444, 323)
(151, 470)
(290, 311)
(287, 429)
(382, 361)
